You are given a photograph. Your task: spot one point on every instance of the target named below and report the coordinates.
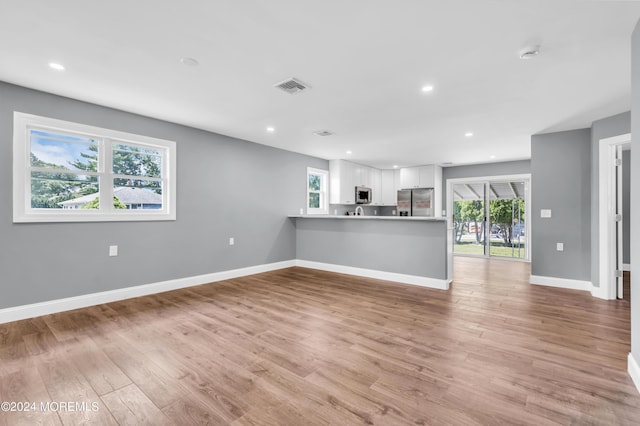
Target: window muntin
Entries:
(71, 172)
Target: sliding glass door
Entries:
(506, 214)
(469, 218)
(489, 218)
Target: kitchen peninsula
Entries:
(411, 250)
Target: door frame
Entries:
(484, 179)
(607, 204)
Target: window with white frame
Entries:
(317, 197)
(70, 172)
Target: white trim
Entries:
(634, 370)
(69, 303)
(600, 293)
(561, 282)
(606, 210)
(626, 267)
(22, 211)
(324, 191)
(60, 305)
(379, 275)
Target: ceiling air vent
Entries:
(292, 86)
(323, 133)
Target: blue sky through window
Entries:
(60, 149)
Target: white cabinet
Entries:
(362, 175)
(427, 180)
(342, 182)
(410, 177)
(344, 176)
(420, 177)
(375, 180)
(390, 184)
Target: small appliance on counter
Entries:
(416, 202)
(363, 195)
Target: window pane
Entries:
(137, 194)
(62, 190)
(314, 182)
(136, 161)
(59, 151)
(314, 200)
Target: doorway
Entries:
(611, 223)
(490, 216)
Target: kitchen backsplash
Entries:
(341, 209)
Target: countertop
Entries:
(374, 217)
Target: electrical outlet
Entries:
(560, 246)
(546, 213)
(232, 241)
(113, 251)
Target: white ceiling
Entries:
(366, 61)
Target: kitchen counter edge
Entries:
(401, 218)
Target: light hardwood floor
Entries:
(304, 347)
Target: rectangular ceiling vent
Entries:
(323, 133)
(292, 86)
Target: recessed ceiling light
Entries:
(191, 62)
(492, 157)
(349, 152)
(56, 66)
(395, 166)
(468, 134)
(271, 129)
(427, 88)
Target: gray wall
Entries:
(607, 127)
(226, 187)
(560, 181)
(635, 193)
(479, 170)
(626, 206)
(402, 246)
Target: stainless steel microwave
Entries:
(363, 195)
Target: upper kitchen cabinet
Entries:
(390, 184)
(342, 182)
(375, 180)
(344, 176)
(421, 177)
(410, 177)
(362, 175)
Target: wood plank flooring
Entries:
(304, 347)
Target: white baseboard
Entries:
(626, 267)
(44, 308)
(380, 275)
(602, 293)
(561, 282)
(634, 370)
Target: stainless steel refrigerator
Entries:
(416, 202)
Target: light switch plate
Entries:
(546, 213)
(560, 246)
(113, 251)
(232, 241)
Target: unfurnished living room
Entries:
(319, 213)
